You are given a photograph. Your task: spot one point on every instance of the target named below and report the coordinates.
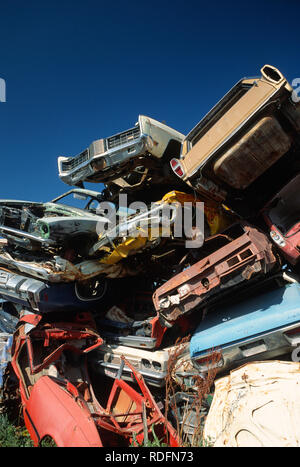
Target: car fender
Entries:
(53, 411)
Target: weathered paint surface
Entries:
(58, 398)
(250, 254)
(257, 405)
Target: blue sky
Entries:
(77, 71)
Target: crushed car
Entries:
(243, 254)
(34, 226)
(261, 327)
(60, 243)
(43, 297)
(152, 364)
(246, 140)
(101, 293)
(57, 393)
(109, 158)
(282, 216)
(256, 405)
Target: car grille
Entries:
(123, 138)
(76, 161)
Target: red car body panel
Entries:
(282, 216)
(291, 250)
(134, 412)
(53, 411)
(68, 411)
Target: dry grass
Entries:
(190, 415)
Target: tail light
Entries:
(209, 362)
(177, 167)
(277, 238)
(293, 336)
(292, 332)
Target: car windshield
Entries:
(125, 212)
(79, 200)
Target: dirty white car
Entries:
(257, 405)
(109, 158)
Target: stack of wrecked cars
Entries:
(192, 238)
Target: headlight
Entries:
(277, 238)
(44, 229)
(98, 164)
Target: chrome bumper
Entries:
(265, 346)
(81, 167)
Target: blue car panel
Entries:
(45, 297)
(266, 315)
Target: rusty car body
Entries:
(142, 228)
(109, 158)
(282, 216)
(256, 405)
(58, 398)
(248, 137)
(246, 254)
(62, 248)
(56, 269)
(133, 322)
(191, 273)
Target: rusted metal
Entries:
(239, 260)
(59, 399)
(59, 269)
(253, 154)
(256, 405)
(282, 216)
(121, 394)
(40, 226)
(247, 132)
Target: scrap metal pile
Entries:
(193, 238)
